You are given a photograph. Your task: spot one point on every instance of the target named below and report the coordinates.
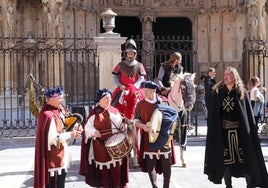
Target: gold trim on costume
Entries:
(232, 149)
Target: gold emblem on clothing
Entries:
(228, 104)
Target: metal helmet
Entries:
(130, 46)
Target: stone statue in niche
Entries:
(256, 18)
(262, 16)
(48, 13)
(10, 21)
(252, 25)
(59, 18)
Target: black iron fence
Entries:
(69, 62)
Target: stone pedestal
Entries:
(109, 55)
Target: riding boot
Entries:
(227, 177)
(248, 180)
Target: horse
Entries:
(182, 97)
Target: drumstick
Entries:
(103, 134)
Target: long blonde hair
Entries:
(237, 81)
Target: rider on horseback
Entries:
(128, 75)
(168, 71)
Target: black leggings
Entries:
(166, 165)
(57, 181)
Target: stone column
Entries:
(147, 18)
(108, 50)
(109, 54)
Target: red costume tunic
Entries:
(130, 74)
(99, 169)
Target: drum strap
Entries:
(112, 122)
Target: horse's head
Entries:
(188, 90)
(182, 94)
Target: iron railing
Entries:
(69, 62)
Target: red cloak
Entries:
(41, 174)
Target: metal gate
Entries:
(159, 49)
(69, 62)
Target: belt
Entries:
(230, 124)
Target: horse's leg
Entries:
(181, 146)
(134, 147)
(182, 135)
(182, 157)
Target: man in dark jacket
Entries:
(232, 145)
(209, 82)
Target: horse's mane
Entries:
(182, 76)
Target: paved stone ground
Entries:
(17, 160)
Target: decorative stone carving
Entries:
(256, 19)
(148, 14)
(59, 18)
(7, 22)
(155, 3)
(252, 26)
(54, 10)
(10, 21)
(262, 17)
(47, 11)
(7, 17)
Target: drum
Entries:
(173, 128)
(167, 126)
(118, 146)
(155, 125)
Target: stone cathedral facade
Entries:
(218, 27)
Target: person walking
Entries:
(256, 98)
(200, 99)
(100, 168)
(209, 82)
(51, 147)
(154, 157)
(232, 146)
